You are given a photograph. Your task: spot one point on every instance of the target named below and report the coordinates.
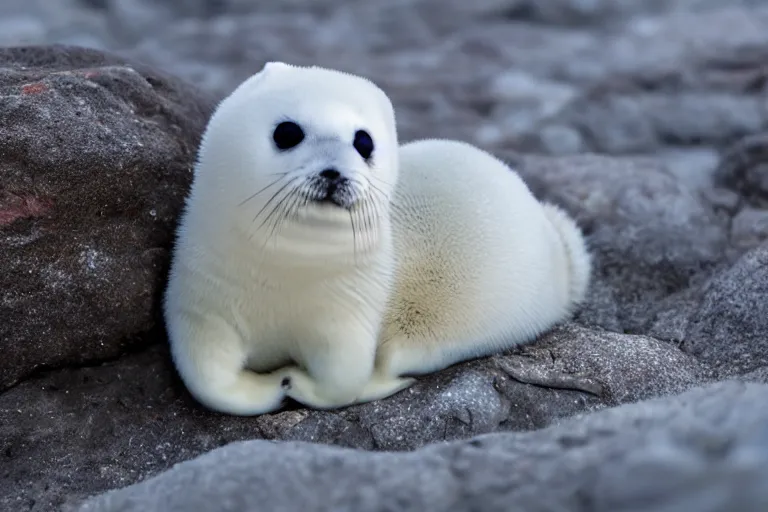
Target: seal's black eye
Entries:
(287, 135)
(363, 144)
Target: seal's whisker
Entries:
(287, 213)
(368, 229)
(270, 220)
(380, 180)
(289, 183)
(379, 199)
(377, 189)
(367, 220)
(285, 210)
(364, 225)
(278, 214)
(373, 212)
(354, 235)
(282, 175)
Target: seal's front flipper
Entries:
(381, 386)
(300, 386)
(209, 356)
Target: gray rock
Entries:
(744, 169)
(26, 22)
(669, 85)
(749, 228)
(564, 48)
(685, 98)
(650, 233)
(93, 429)
(759, 375)
(620, 123)
(96, 155)
(693, 165)
(705, 450)
(724, 321)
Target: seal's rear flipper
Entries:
(579, 259)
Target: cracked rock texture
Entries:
(645, 119)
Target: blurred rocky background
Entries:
(646, 119)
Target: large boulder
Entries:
(96, 156)
(705, 450)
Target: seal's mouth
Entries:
(338, 193)
(328, 198)
(334, 202)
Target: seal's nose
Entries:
(331, 174)
(333, 184)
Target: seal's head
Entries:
(302, 145)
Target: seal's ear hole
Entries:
(287, 135)
(363, 144)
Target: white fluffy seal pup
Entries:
(284, 250)
(317, 260)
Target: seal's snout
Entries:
(333, 180)
(333, 187)
(331, 174)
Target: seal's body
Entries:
(481, 264)
(309, 265)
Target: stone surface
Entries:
(744, 168)
(714, 100)
(705, 450)
(77, 432)
(760, 375)
(653, 74)
(95, 159)
(651, 235)
(673, 91)
(749, 227)
(724, 322)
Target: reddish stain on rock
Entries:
(20, 207)
(35, 88)
(83, 317)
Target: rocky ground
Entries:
(645, 119)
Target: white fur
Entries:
(451, 258)
(246, 293)
(482, 265)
